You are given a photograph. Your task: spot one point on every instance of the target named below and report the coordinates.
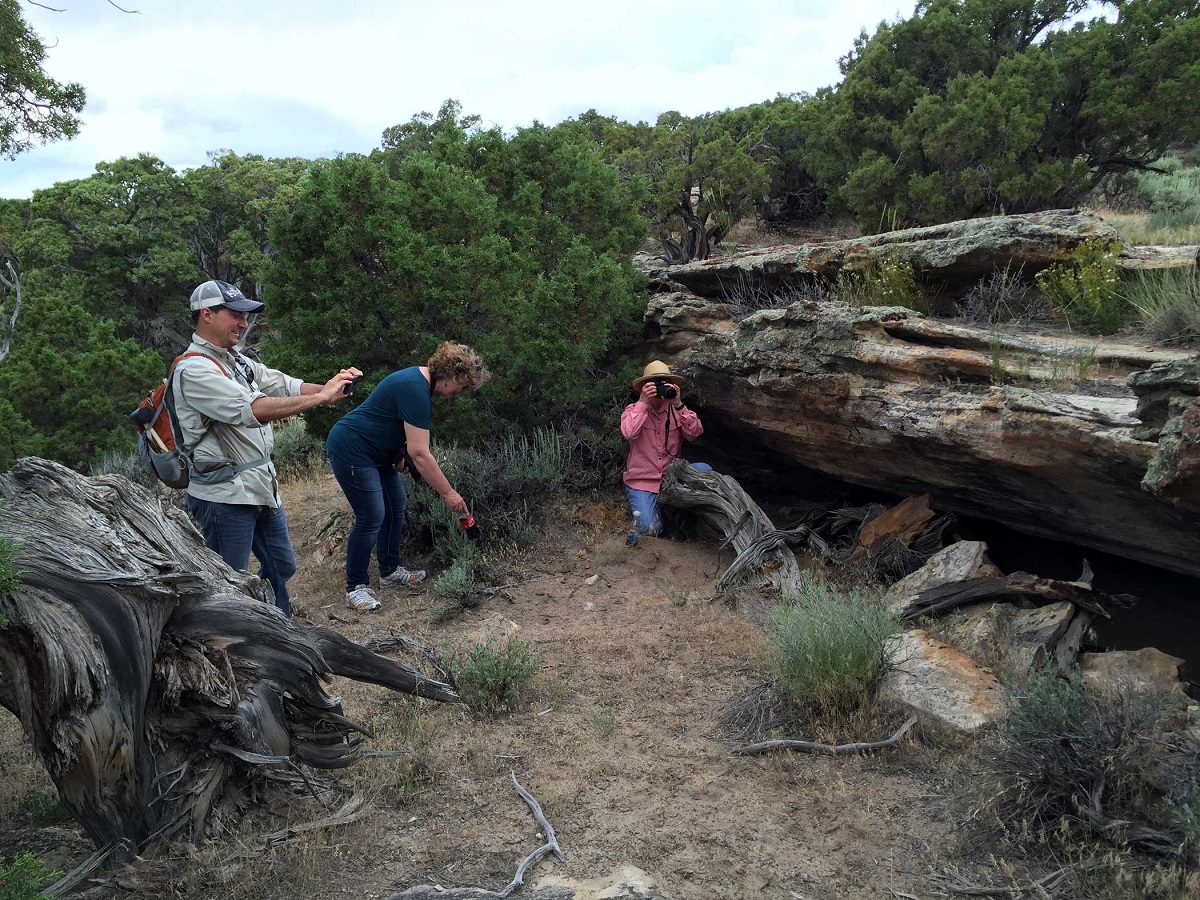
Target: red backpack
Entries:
(159, 438)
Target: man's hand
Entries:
(455, 503)
(649, 394)
(335, 387)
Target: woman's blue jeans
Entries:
(233, 530)
(646, 503)
(376, 495)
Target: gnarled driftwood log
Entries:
(150, 677)
(761, 548)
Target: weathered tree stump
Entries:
(762, 550)
(151, 678)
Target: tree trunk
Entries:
(150, 677)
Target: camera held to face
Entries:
(665, 389)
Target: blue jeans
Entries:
(646, 503)
(233, 530)
(376, 495)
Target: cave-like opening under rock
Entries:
(1167, 612)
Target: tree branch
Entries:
(826, 749)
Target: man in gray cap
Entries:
(224, 404)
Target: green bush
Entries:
(458, 579)
(43, 807)
(502, 480)
(491, 675)
(1086, 287)
(23, 877)
(1173, 195)
(297, 452)
(1168, 304)
(829, 646)
(1074, 764)
(889, 281)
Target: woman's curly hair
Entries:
(458, 362)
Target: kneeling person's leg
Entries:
(645, 504)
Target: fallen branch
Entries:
(957, 884)
(352, 810)
(826, 749)
(551, 845)
(937, 600)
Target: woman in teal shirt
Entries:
(367, 449)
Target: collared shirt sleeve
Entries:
(689, 423)
(274, 383)
(632, 420)
(214, 395)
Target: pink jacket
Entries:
(655, 438)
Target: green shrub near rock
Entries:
(1074, 765)
(829, 646)
(1086, 288)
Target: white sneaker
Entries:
(362, 598)
(403, 577)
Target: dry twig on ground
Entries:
(551, 845)
(826, 749)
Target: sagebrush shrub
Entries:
(1078, 764)
(459, 578)
(505, 482)
(1085, 288)
(1004, 296)
(491, 674)
(829, 646)
(125, 463)
(296, 451)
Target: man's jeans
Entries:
(646, 503)
(233, 530)
(376, 495)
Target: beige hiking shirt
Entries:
(215, 416)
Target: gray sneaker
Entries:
(402, 577)
(362, 598)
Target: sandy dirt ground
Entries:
(618, 736)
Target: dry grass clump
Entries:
(1080, 773)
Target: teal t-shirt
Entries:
(372, 433)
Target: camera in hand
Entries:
(665, 389)
(349, 388)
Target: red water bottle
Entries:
(469, 526)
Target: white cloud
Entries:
(313, 78)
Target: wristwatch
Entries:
(678, 407)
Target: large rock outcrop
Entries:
(1039, 433)
(949, 254)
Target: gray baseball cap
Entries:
(222, 293)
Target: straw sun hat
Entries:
(656, 370)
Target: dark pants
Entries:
(233, 530)
(376, 495)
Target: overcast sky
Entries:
(314, 78)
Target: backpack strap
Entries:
(169, 394)
(236, 468)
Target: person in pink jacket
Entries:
(656, 425)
